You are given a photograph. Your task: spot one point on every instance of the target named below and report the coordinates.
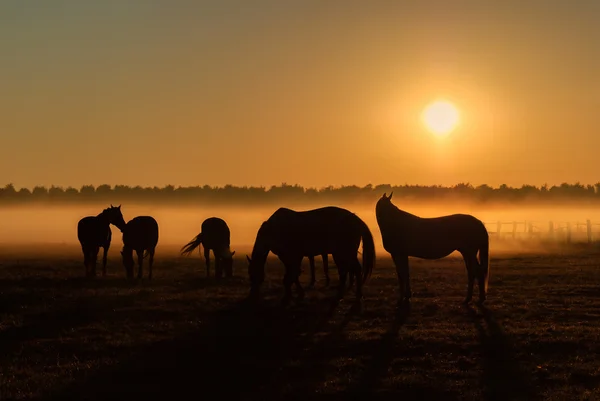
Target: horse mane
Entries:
(388, 208)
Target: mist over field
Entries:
(56, 225)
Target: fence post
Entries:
(589, 231)
(568, 233)
(514, 234)
(530, 229)
(551, 229)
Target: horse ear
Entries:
(384, 197)
(249, 260)
(390, 197)
(119, 207)
(111, 205)
(232, 253)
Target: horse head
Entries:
(256, 272)
(116, 217)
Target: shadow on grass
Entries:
(235, 355)
(503, 377)
(63, 316)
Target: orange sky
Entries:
(315, 93)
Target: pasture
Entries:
(184, 336)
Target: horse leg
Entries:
(150, 262)
(401, 262)
(95, 251)
(326, 269)
(311, 260)
(207, 260)
(291, 276)
(343, 273)
(356, 271)
(470, 274)
(297, 281)
(86, 261)
(140, 255)
(218, 268)
(104, 257)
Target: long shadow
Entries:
(51, 323)
(503, 377)
(235, 355)
(366, 387)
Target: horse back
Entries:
(91, 230)
(140, 233)
(215, 233)
(313, 232)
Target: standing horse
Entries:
(405, 235)
(94, 232)
(291, 235)
(140, 234)
(215, 235)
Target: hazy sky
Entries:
(313, 92)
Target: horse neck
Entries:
(104, 218)
(261, 246)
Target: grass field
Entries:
(183, 336)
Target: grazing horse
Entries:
(94, 232)
(291, 235)
(215, 235)
(405, 235)
(140, 234)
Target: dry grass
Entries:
(183, 336)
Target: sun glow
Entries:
(440, 117)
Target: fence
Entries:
(554, 230)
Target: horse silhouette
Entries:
(94, 232)
(140, 234)
(405, 235)
(291, 235)
(214, 235)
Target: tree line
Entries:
(247, 195)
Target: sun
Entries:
(440, 117)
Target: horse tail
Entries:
(484, 262)
(368, 254)
(193, 244)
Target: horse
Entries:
(405, 235)
(291, 235)
(140, 234)
(215, 235)
(94, 232)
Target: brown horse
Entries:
(405, 235)
(291, 235)
(93, 233)
(140, 234)
(215, 235)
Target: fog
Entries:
(58, 224)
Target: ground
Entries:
(184, 336)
